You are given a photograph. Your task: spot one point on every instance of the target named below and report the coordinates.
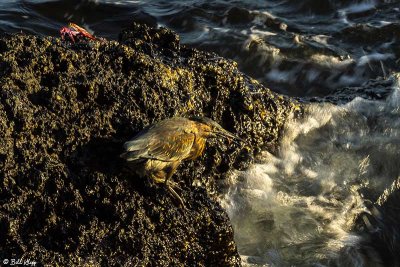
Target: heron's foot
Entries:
(176, 196)
(173, 184)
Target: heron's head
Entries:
(210, 128)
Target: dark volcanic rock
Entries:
(377, 89)
(65, 111)
(380, 229)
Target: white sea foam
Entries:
(298, 207)
(360, 7)
(374, 57)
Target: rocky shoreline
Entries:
(65, 111)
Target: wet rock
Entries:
(367, 34)
(237, 15)
(379, 228)
(377, 89)
(65, 111)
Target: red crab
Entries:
(74, 31)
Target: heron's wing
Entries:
(164, 146)
(174, 147)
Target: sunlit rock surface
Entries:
(65, 111)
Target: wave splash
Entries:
(299, 207)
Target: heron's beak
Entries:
(224, 133)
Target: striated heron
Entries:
(157, 151)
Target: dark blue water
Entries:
(299, 207)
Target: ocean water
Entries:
(316, 202)
(298, 208)
(298, 48)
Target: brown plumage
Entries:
(158, 150)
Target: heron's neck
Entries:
(197, 148)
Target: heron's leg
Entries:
(174, 185)
(176, 196)
(171, 170)
(160, 178)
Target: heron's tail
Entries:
(130, 155)
(135, 149)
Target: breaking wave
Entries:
(300, 207)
